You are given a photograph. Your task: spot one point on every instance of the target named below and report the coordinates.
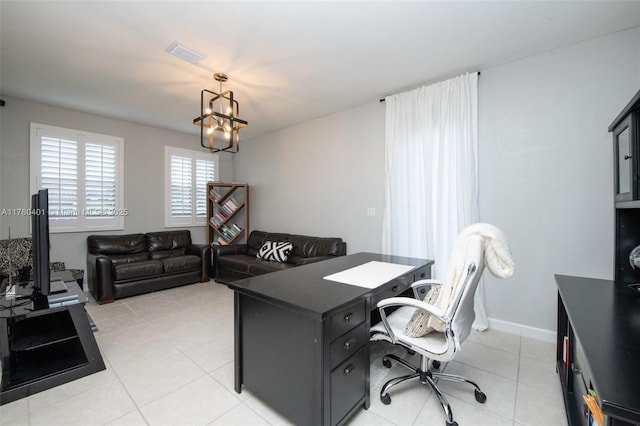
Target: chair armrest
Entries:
(406, 301)
(420, 287)
(413, 303)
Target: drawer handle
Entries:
(348, 317)
(350, 343)
(394, 289)
(422, 275)
(349, 369)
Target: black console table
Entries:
(598, 348)
(44, 348)
(302, 342)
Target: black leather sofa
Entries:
(237, 261)
(124, 265)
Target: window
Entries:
(84, 175)
(186, 175)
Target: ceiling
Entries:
(287, 62)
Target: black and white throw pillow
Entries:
(275, 251)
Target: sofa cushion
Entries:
(167, 240)
(315, 247)
(161, 254)
(129, 271)
(116, 244)
(260, 267)
(119, 259)
(275, 251)
(303, 245)
(181, 263)
(255, 241)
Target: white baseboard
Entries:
(523, 330)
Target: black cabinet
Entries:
(45, 348)
(626, 152)
(626, 155)
(598, 349)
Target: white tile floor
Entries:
(169, 358)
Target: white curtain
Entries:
(431, 173)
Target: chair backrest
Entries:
(461, 309)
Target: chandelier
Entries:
(219, 113)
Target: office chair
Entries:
(452, 322)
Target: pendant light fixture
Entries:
(219, 113)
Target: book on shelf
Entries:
(213, 192)
(226, 209)
(232, 203)
(229, 232)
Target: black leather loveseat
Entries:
(237, 261)
(125, 265)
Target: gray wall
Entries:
(143, 171)
(545, 172)
(546, 168)
(319, 178)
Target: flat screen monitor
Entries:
(40, 247)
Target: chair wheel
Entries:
(386, 399)
(481, 397)
(386, 363)
(435, 364)
(452, 424)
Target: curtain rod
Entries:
(382, 100)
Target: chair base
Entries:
(427, 377)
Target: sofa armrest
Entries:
(100, 277)
(204, 251)
(219, 251)
(230, 249)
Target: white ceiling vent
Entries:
(183, 53)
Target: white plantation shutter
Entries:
(205, 172)
(187, 174)
(59, 174)
(181, 187)
(100, 180)
(83, 172)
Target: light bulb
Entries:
(227, 135)
(208, 110)
(229, 110)
(210, 130)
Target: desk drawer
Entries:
(346, 319)
(348, 385)
(345, 346)
(422, 273)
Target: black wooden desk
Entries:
(302, 342)
(600, 322)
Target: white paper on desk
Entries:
(371, 274)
